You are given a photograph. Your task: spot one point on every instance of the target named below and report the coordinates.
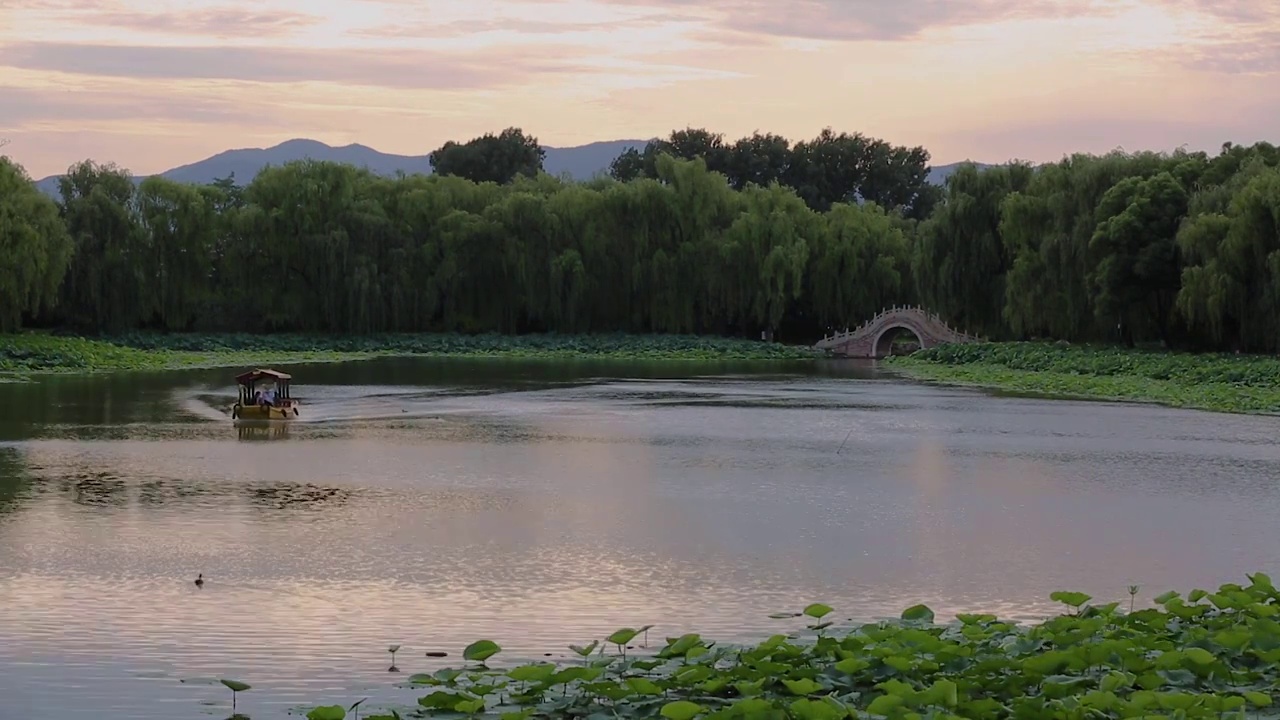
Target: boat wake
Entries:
(336, 404)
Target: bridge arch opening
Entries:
(897, 339)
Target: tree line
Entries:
(689, 235)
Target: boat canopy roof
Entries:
(255, 375)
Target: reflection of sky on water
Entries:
(539, 513)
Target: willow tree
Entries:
(34, 247)
(1047, 229)
(1136, 272)
(858, 266)
(770, 243)
(176, 251)
(693, 210)
(960, 258)
(1231, 287)
(104, 286)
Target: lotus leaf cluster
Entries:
(1203, 655)
(1228, 383)
(30, 353)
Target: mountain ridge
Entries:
(580, 162)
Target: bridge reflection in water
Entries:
(874, 338)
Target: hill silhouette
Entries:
(581, 162)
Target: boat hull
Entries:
(264, 412)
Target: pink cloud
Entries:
(214, 22)
(24, 105)
(410, 70)
(1048, 141)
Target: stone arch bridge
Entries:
(874, 338)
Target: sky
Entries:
(153, 84)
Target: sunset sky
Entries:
(158, 83)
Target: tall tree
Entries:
(758, 160)
(34, 247)
(104, 284)
(180, 235)
(1136, 272)
(491, 158)
(960, 258)
(737, 238)
(1231, 285)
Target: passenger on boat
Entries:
(270, 396)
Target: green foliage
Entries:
(481, 650)
(817, 611)
(236, 687)
(104, 284)
(695, 235)
(1230, 383)
(31, 353)
(1176, 248)
(490, 158)
(825, 171)
(688, 347)
(41, 353)
(34, 247)
(1231, 286)
(1135, 273)
(327, 712)
(1212, 655)
(960, 258)
(489, 245)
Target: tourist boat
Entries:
(264, 395)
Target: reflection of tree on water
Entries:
(96, 489)
(15, 481)
(84, 484)
(262, 431)
(292, 495)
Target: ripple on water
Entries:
(543, 514)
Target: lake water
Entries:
(433, 503)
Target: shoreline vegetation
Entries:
(692, 234)
(1217, 382)
(32, 353)
(1208, 654)
(690, 240)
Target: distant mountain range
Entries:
(580, 163)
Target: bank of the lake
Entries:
(40, 353)
(1225, 383)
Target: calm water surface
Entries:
(433, 503)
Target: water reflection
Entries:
(263, 431)
(15, 482)
(309, 497)
(541, 505)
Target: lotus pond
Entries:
(1206, 655)
(39, 353)
(1226, 383)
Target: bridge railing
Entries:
(928, 316)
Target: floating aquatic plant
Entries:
(393, 650)
(1210, 655)
(236, 688)
(1229, 383)
(481, 650)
